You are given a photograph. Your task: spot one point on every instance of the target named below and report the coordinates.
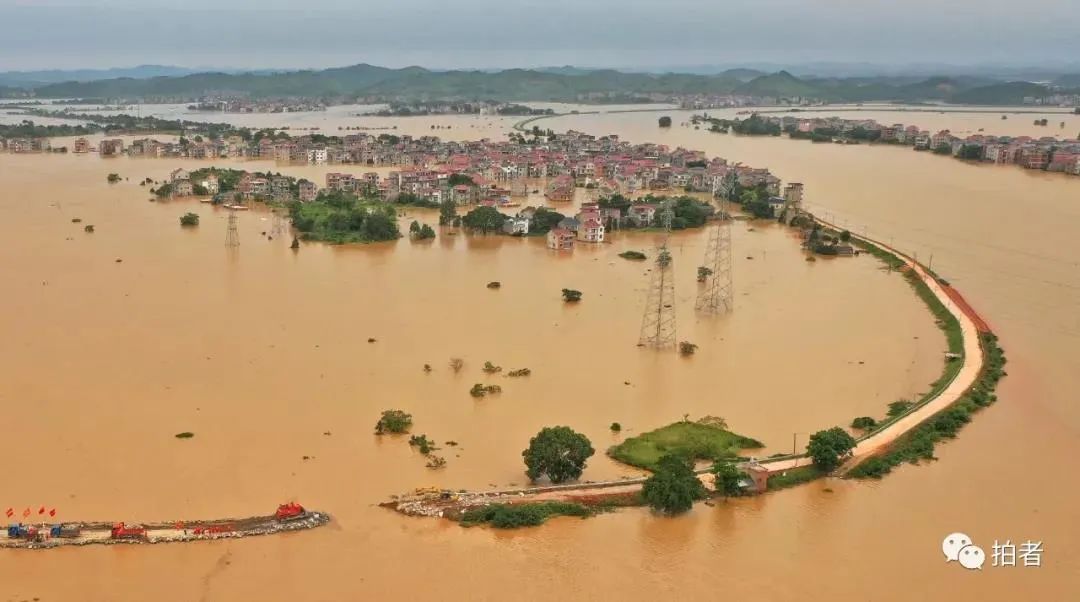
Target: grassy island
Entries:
(706, 439)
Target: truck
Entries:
(64, 531)
(122, 531)
(289, 511)
(26, 532)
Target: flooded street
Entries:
(264, 354)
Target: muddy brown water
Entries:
(261, 351)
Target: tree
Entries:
(828, 448)
(570, 295)
(845, 236)
(457, 179)
(674, 487)
(558, 452)
(414, 228)
(484, 219)
(393, 421)
(727, 478)
(544, 220)
(113, 178)
(447, 211)
(189, 219)
(665, 122)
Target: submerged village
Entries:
(624, 185)
(1044, 153)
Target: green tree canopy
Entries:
(456, 179)
(558, 452)
(828, 448)
(727, 477)
(484, 219)
(665, 122)
(545, 219)
(674, 487)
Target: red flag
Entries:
(10, 512)
(41, 510)
(26, 513)
(52, 512)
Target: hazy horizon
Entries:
(480, 34)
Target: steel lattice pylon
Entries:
(277, 226)
(658, 323)
(232, 235)
(716, 296)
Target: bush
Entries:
(189, 219)
(665, 121)
(687, 348)
(615, 427)
(863, 423)
(424, 444)
(185, 435)
(393, 421)
(456, 364)
(494, 284)
(112, 178)
(633, 255)
(898, 407)
(570, 295)
(511, 516)
(479, 390)
(519, 372)
(491, 368)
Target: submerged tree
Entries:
(393, 421)
(674, 487)
(558, 452)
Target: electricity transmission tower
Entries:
(716, 296)
(232, 235)
(277, 226)
(658, 323)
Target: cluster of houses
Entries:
(601, 165)
(724, 101)
(243, 105)
(1044, 153)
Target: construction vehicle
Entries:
(290, 511)
(122, 531)
(25, 532)
(66, 531)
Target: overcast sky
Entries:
(41, 34)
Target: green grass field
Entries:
(693, 439)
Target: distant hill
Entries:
(565, 84)
(1008, 93)
(782, 84)
(52, 76)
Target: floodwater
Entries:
(262, 351)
